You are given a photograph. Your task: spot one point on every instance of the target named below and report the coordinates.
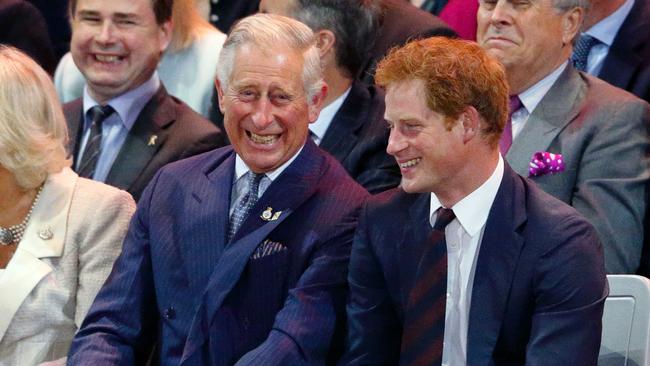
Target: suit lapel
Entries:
(300, 178)
(558, 107)
(412, 244)
(73, 112)
(210, 199)
(625, 56)
(497, 260)
(26, 269)
(343, 133)
(145, 139)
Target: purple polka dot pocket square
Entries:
(544, 162)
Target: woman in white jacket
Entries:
(59, 234)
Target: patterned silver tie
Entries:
(244, 206)
(92, 150)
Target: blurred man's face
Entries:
(116, 44)
(528, 36)
(428, 154)
(266, 111)
(279, 7)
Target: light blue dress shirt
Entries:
(605, 31)
(116, 127)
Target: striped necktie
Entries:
(424, 318)
(93, 148)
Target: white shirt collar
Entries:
(605, 30)
(241, 168)
(531, 97)
(473, 210)
(319, 128)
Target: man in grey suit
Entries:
(126, 126)
(579, 138)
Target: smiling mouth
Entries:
(264, 140)
(108, 58)
(410, 163)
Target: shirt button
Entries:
(214, 18)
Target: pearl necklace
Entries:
(13, 234)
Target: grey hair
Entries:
(565, 5)
(268, 31)
(353, 22)
(33, 131)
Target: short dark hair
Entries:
(353, 22)
(161, 8)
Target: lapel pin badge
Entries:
(45, 234)
(269, 215)
(152, 140)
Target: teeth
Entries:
(259, 139)
(105, 58)
(410, 163)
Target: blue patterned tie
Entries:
(581, 51)
(424, 318)
(244, 206)
(92, 150)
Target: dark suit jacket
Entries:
(22, 26)
(402, 22)
(603, 134)
(207, 302)
(538, 291)
(180, 132)
(357, 137)
(627, 64)
(230, 11)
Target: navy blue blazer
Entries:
(357, 137)
(627, 64)
(539, 286)
(274, 296)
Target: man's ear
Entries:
(471, 123)
(165, 35)
(217, 86)
(571, 23)
(325, 41)
(316, 103)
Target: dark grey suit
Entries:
(602, 133)
(180, 132)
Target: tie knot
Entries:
(254, 180)
(514, 103)
(99, 113)
(445, 216)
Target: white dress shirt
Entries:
(320, 126)
(463, 236)
(531, 97)
(605, 31)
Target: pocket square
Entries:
(544, 162)
(267, 248)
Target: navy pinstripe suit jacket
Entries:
(275, 295)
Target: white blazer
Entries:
(70, 243)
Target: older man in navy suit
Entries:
(508, 275)
(238, 256)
